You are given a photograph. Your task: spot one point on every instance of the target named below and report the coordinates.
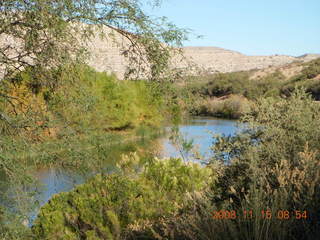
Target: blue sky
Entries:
(253, 27)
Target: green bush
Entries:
(220, 94)
(240, 83)
(227, 83)
(273, 165)
(106, 207)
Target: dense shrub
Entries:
(240, 83)
(107, 206)
(275, 166)
(108, 102)
(227, 83)
(225, 94)
(232, 107)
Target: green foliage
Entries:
(107, 206)
(240, 83)
(13, 229)
(273, 165)
(226, 94)
(99, 208)
(223, 84)
(109, 103)
(175, 177)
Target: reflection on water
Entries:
(201, 131)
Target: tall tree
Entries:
(39, 35)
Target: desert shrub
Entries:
(203, 95)
(275, 166)
(312, 86)
(233, 107)
(176, 177)
(268, 86)
(107, 205)
(240, 83)
(311, 70)
(307, 79)
(226, 83)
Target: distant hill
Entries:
(214, 59)
(106, 56)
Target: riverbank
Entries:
(272, 187)
(84, 123)
(76, 126)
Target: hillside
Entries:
(106, 55)
(230, 94)
(214, 59)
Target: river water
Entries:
(200, 130)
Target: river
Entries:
(200, 130)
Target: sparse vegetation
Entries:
(227, 94)
(308, 78)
